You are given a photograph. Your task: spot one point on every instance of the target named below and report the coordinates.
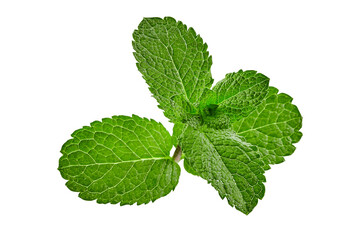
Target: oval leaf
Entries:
(121, 159)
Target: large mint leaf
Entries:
(173, 60)
(273, 127)
(239, 93)
(120, 160)
(233, 167)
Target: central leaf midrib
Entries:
(232, 177)
(172, 61)
(115, 163)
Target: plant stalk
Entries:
(177, 154)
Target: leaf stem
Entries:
(177, 154)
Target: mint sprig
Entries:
(228, 135)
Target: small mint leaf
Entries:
(273, 126)
(182, 108)
(216, 119)
(121, 159)
(239, 93)
(208, 98)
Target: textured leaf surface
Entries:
(273, 127)
(120, 160)
(182, 109)
(173, 60)
(233, 167)
(239, 93)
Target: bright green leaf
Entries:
(173, 60)
(273, 127)
(120, 160)
(232, 166)
(239, 93)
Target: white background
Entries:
(64, 64)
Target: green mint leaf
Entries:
(120, 160)
(173, 60)
(232, 166)
(239, 93)
(273, 127)
(208, 98)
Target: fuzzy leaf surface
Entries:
(173, 60)
(273, 127)
(233, 167)
(239, 93)
(121, 159)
